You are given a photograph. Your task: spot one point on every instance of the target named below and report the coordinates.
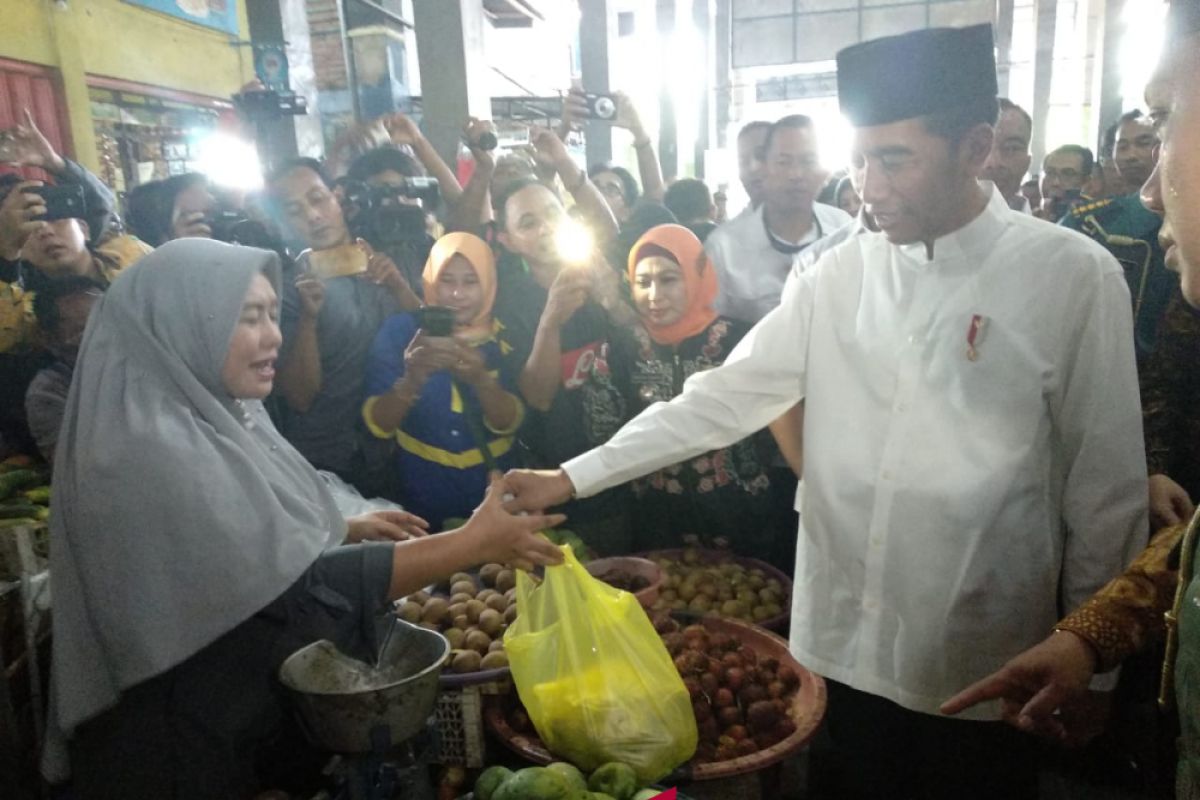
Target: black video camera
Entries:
(381, 214)
(235, 227)
(269, 104)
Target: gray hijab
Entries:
(179, 512)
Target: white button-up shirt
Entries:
(943, 496)
(750, 272)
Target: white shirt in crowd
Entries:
(939, 489)
(750, 271)
(811, 254)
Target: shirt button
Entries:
(869, 604)
(914, 339)
(902, 408)
(887, 474)
(876, 541)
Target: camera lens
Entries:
(605, 108)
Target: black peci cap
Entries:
(914, 74)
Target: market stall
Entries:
(466, 732)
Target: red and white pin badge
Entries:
(975, 333)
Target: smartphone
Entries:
(62, 202)
(601, 106)
(436, 320)
(336, 262)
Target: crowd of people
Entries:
(975, 415)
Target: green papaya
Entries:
(17, 479)
(616, 779)
(39, 495)
(534, 783)
(490, 781)
(19, 510)
(571, 774)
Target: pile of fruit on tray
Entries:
(561, 781)
(740, 700)
(472, 613)
(719, 583)
(754, 704)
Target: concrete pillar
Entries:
(73, 72)
(1046, 12)
(668, 140)
(723, 75)
(1004, 34)
(597, 27)
(703, 18)
(1110, 66)
(453, 71)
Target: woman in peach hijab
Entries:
(440, 398)
(721, 495)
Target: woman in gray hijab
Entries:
(193, 549)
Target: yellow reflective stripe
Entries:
(456, 403)
(517, 420)
(464, 460)
(368, 415)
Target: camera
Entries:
(264, 105)
(487, 141)
(235, 227)
(601, 106)
(381, 214)
(436, 320)
(62, 202)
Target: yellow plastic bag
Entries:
(594, 676)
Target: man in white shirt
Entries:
(1010, 157)
(753, 253)
(862, 223)
(750, 142)
(967, 406)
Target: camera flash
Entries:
(573, 242)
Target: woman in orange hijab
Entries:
(436, 396)
(722, 494)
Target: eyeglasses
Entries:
(1063, 174)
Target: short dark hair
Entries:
(629, 186)
(500, 201)
(147, 213)
(688, 199)
(290, 165)
(1085, 155)
(954, 123)
(752, 126)
(790, 122)
(1008, 105)
(382, 159)
(45, 302)
(151, 206)
(1129, 116)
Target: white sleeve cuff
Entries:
(587, 473)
